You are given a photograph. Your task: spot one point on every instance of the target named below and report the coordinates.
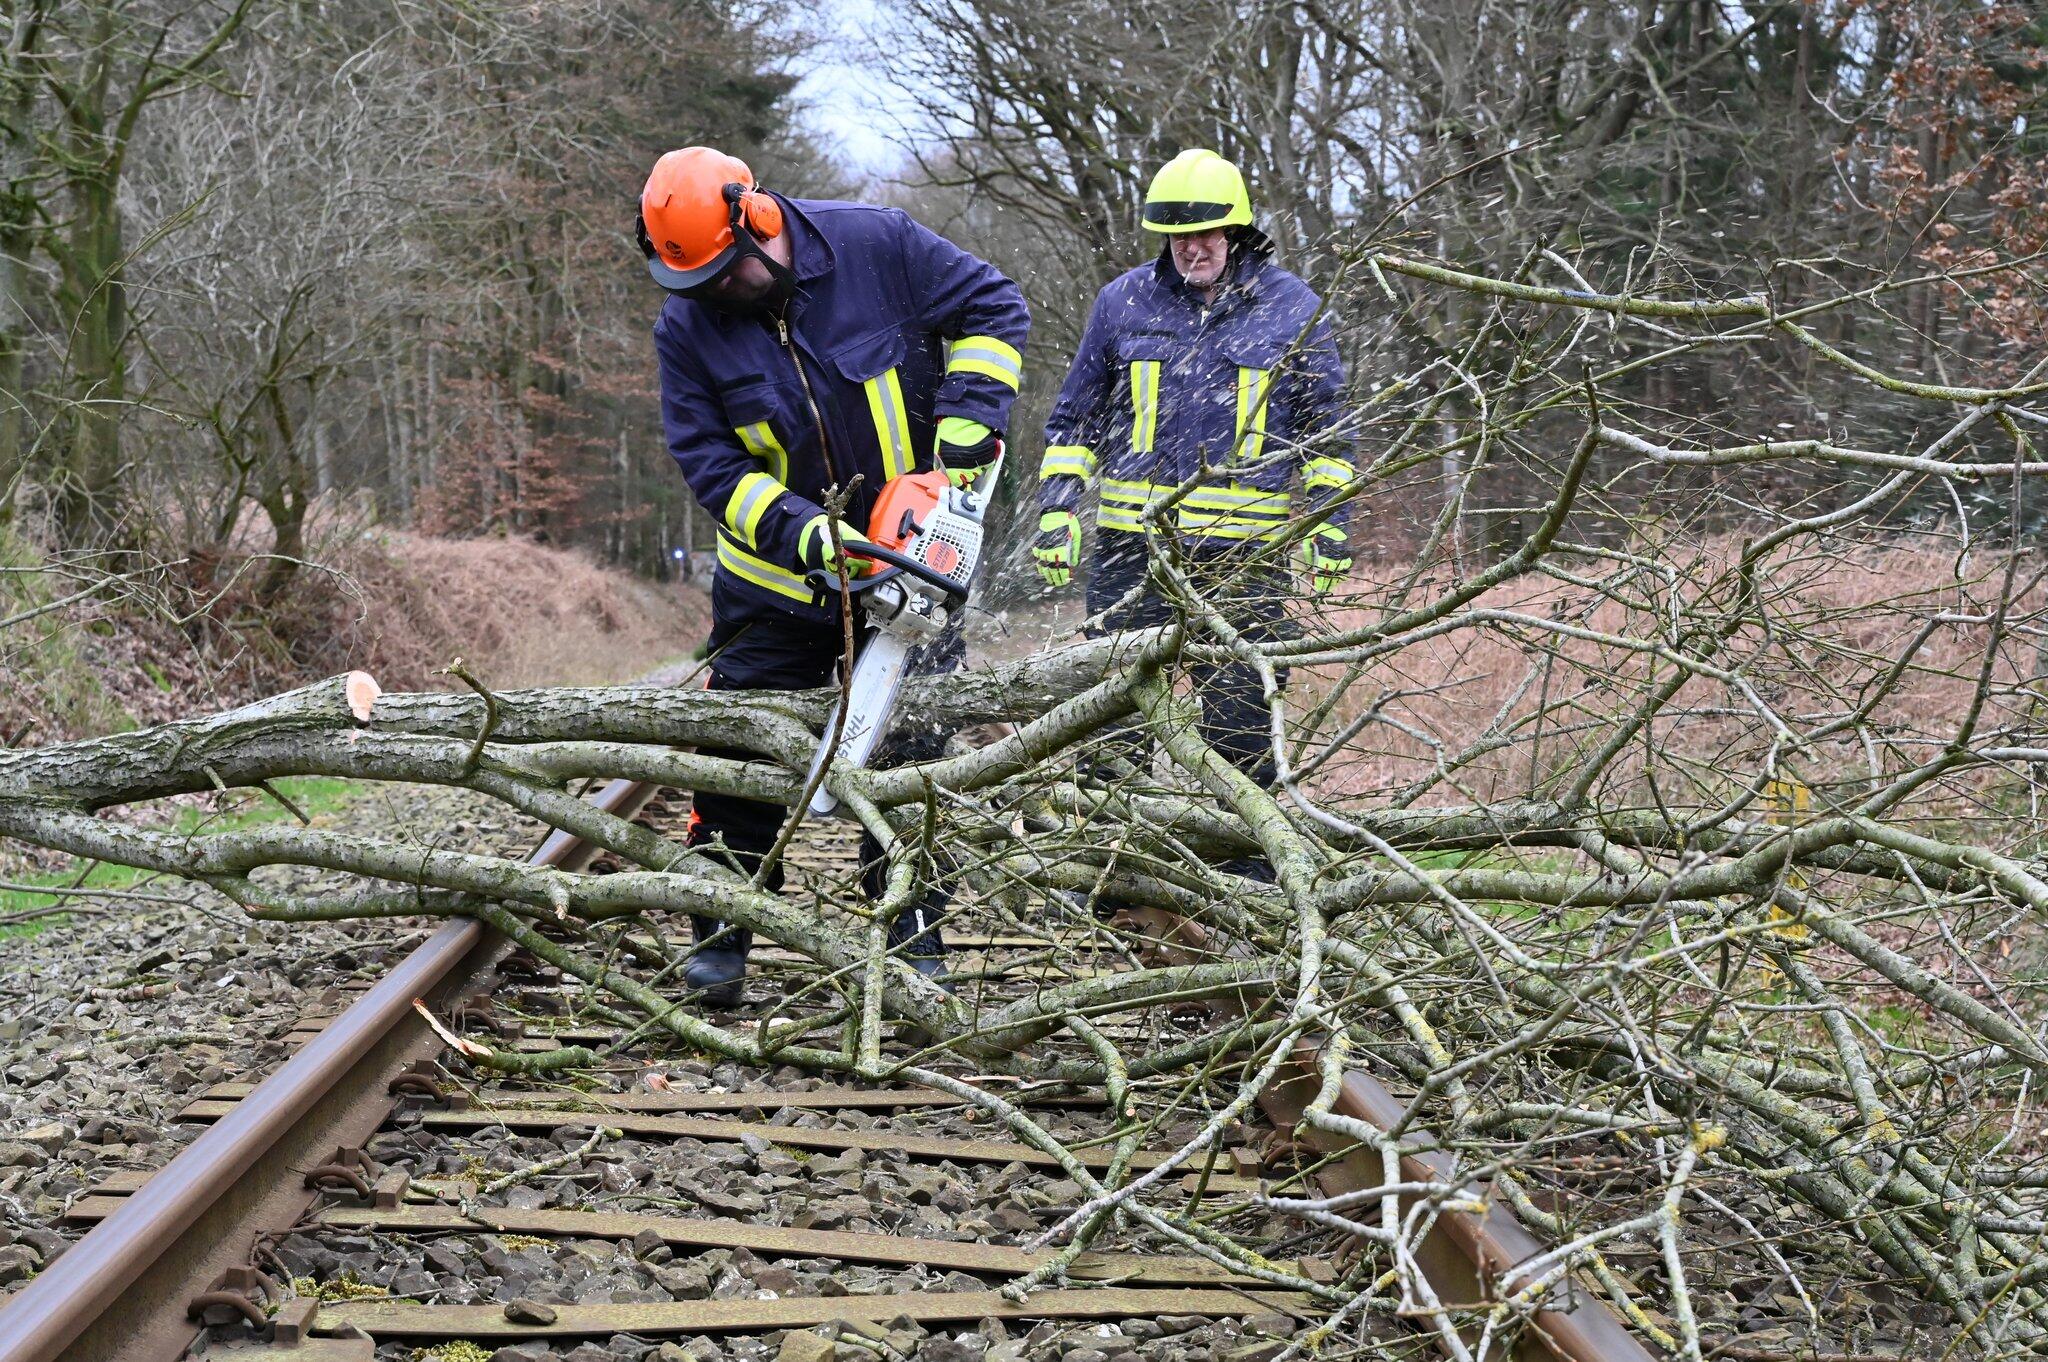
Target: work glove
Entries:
(1058, 548)
(965, 449)
(814, 547)
(1326, 558)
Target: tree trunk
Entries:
(323, 458)
(284, 500)
(93, 302)
(17, 238)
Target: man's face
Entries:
(1200, 256)
(747, 284)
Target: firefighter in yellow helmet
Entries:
(1213, 361)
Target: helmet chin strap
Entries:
(783, 287)
(783, 279)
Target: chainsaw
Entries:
(926, 535)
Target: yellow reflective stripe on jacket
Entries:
(1233, 511)
(1320, 473)
(748, 503)
(1208, 525)
(1123, 504)
(1230, 527)
(759, 571)
(759, 438)
(1076, 461)
(1144, 404)
(1252, 387)
(1132, 491)
(1237, 497)
(892, 424)
(990, 356)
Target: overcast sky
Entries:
(851, 97)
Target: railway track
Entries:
(367, 1201)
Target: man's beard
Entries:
(771, 298)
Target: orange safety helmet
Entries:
(696, 201)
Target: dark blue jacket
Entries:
(1165, 386)
(894, 327)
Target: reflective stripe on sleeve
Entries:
(1320, 473)
(759, 438)
(760, 572)
(989, 356)
(892, 424)
(748, 503)
(1077, 461)
(1325, 549)
(1144, 404)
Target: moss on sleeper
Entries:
(346, 1287)
(459, 1350)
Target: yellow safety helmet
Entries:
(1196, 191)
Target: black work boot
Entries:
(918, 945)
(1257, 869)
(718, 967)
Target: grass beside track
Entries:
(314, 795)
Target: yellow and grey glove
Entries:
(965, 449)
(1058, 548)
(1326, 558)
(814, 546)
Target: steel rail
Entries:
(121, 1291)
(1462, 1255)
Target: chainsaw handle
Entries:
(827, 583)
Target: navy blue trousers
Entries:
(767, 653)
(1252, 598)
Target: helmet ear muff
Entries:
(762, 214)
(759, 213)
(640, 235)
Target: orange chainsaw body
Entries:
(903, 512)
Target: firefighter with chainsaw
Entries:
(806, 343)
(1211, 363)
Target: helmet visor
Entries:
(1183, 216)
(694, 282)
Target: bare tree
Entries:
(100, 65)
(1674, 878)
